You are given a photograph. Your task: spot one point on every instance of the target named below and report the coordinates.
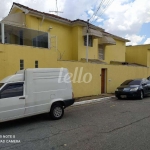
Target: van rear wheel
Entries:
(57, 111)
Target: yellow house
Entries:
(25, 26)
(139, 54)
(32, 39)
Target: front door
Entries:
(103, 81)
(12, 102)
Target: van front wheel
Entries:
(57, 111)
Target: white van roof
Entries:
(19, 76)
(13, 78)
(42, 70)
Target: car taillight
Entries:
(72, 95)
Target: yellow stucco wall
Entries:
(115, 52)
(10, 56)
(115, 76)
(84, 89)
(138, 54)
(74, 43)
(148, 56)
(118, 74)
(92, 51)
(63, 33)
(17, 10)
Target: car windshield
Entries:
(132, 82)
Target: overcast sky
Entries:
(125, 18)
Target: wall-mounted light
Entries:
(50, 28)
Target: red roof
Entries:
(30, 9)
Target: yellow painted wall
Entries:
(118, 74)
(148, 56)
(92, 51)
(115, 76)
(10, 56)
(75, 43)
(84, 89)
(115, 52)
(138, 54)
(63, 33)
(17, 10)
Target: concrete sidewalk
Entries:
(92, 99)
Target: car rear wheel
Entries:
(57, 111)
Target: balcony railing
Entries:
(23, 36)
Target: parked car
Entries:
(134, 88)
(35, 91)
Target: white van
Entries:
(35, 91)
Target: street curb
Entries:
(91, 101)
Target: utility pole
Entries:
(87, 42)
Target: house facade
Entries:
(28, 27)
(33, 39)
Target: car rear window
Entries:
(132, 82)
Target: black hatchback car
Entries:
(136, 88)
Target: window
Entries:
(36, 64)
(90, 41)
(12, 90)
(23, 36)
(21, 64)
(41, 41)
(101, 52)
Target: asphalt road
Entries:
(106, 125)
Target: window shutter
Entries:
(101, 53)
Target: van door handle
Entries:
(22, 98)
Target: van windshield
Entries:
(1, 84)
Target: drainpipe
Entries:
(87, 37)
(3, 33)
(43, 18)
(49, 40)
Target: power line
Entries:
(105, 8)
(94, 14)
(105, 4)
